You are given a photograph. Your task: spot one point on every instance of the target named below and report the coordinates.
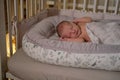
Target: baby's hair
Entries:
(60, 25)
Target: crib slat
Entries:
(39, 7)
(116, 6)
(35, 6)
(84, 5)
(64, 4)
(9, 25)
(21, 9)
(31, 4)
(74, 4)
(95, 4)
(105, 6)
(15, 20)
(27, 9)
(58, 4)
(15, 7)
(42, 4)
(45, 4)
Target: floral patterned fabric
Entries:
(103, 61)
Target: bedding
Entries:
(24, 25)
(87, 60)
(26, 68)
(42, 44)
(105, 33)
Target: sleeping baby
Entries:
(86, 30)
(74, 31)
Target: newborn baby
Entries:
(74, 31)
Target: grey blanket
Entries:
(104, 32)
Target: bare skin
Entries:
(74, 31)
(84, 34)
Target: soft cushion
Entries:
(79, 14)
(26, 68)
(38, 44)
(111, 16)
(95, 16)
(24, 25)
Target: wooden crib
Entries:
(34, 11)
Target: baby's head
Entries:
(67, 29)
(61, 26)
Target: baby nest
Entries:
(42, 44)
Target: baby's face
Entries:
(70, 31)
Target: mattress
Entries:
(26, 68)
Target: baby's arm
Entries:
(83, 20)
(73, 39)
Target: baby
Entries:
(75, 30)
